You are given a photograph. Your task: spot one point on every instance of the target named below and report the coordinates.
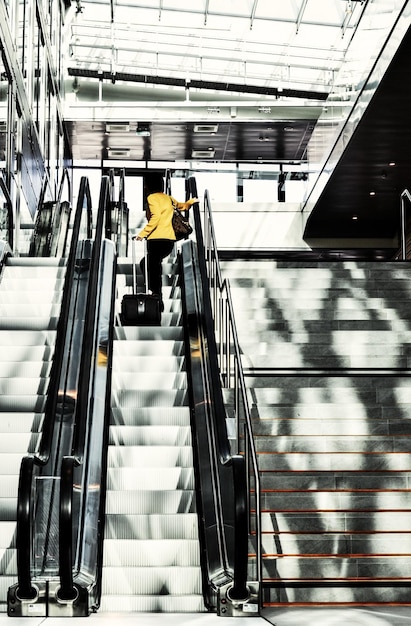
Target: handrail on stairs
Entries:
(231, 371)
(405, 195)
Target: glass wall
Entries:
(30, 102)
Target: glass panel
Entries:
(4, 218)
(46, 527)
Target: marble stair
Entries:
(326, 352)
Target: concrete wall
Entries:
(263, 225)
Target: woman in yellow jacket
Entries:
(159, 231)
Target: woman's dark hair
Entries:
(154, 183)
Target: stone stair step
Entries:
(308, 444)
(337, 500)
(341, 461)
(337, 545)
(335, 522)
(298, 426)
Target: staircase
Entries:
(30, 295)
(151, 548)
(327, 349)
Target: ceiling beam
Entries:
(199, 84)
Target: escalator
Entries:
(35, 538)
(151, 547)
(32, 296)
(142, 507)
(176, 529)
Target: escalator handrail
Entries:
(24, 499)
(89, 325)
(240, 556)
(53, 393)
(67, 589)
(23, 529)
(81, 411)
(109, 206)
(65, 176)
(222, 287)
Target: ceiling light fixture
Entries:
(211, 129)
(118, 152)
(117, 128)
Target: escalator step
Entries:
(152, 603)
(174, 581)
(132, 347)
(150, 436)
(28, 338)
(153, 526)
(20, 422)
(143, 456)
(22, 403)
(151, 416)
(29, 369)
(9, 296)
(150, 380)
(145, 502)
(23, 386)
(149, 363)
(151, 553)
(28, 323)
(25, 353)
(152, 478)
(131, 398)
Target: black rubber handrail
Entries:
(67, 587)
(23, 532)
(24, 496)
(239, 558)
(53, 393)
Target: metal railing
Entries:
(231, 370)
(406, 195)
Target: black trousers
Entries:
(157, 250)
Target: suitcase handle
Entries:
(134, 264)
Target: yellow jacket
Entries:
(159, 215)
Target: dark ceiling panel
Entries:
(382, 137)
(270, 141)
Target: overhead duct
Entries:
(199, 84)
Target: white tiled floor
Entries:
(385, 616)
(136, 619)
(376, 616)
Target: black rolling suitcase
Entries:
(140, 309)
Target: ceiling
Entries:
(222, 81)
